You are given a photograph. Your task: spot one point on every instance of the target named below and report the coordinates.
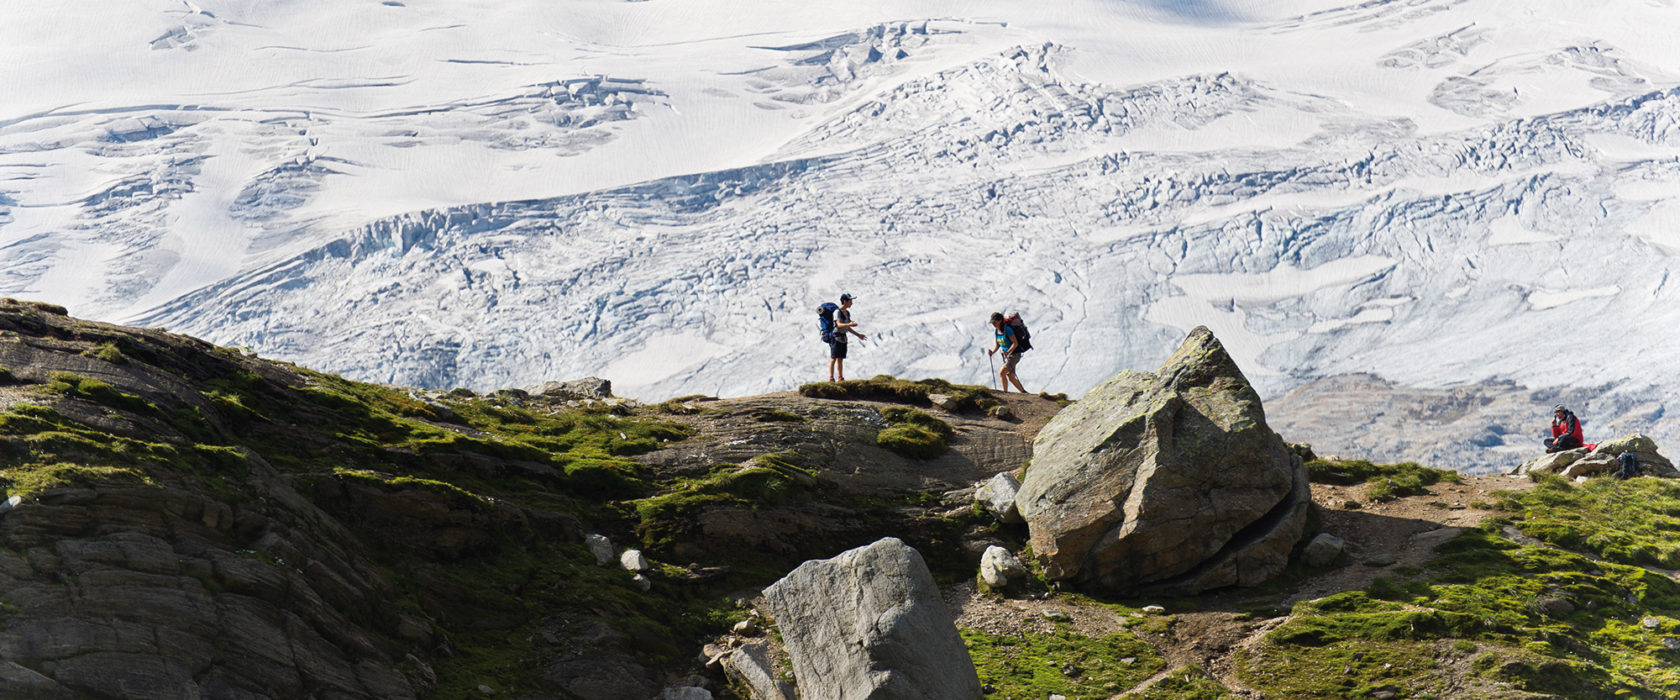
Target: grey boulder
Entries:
(869, 623)
(1165, 483)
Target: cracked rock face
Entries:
(1165, 483)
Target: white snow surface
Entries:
(496, 193)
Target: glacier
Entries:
(1439, 193)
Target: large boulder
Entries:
(1650, 462)
(1168, 482)
(869, 623)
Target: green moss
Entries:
(75, 386)
(1061, 662)
(913, 441)
(33, 479)
(1562, 617)
(772, 415)
(960, 398)
(461, 497)
(1386, 481)
(670, 516)
(109, 352)
(913, 434)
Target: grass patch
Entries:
(960, 398)
(1060, 662)
(912, 433)
(1186, 683)
(1386, 482)
(1575, 616)
(75, 386)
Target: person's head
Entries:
(1559, 410)
(997, 319)
(846, 299)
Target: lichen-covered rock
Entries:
(870, 623)
(1168, 482)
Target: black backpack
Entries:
(1023, 337)
(1630, 465)
(825, 320)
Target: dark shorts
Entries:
(1009, 360)
(837, 351)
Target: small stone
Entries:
(1322, 551)
(745, 628)
(1650, 623)
(10, 504)
(1071, 671)
(1128, 661)
(1057, 616)
(634, 560)
(1350, 504)
(601, 547)
(1672, 643)
(1381, 559)
(486, 690)
(1154, 609)
(643, 583)
(1054, 696)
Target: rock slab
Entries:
(1168, 482)
(870, 623)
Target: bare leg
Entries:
(840, 367)
(832, 362)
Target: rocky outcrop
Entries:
(1601, 460)
(870, 623)
(1168, 482)
(577, 389)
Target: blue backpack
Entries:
(825, 320)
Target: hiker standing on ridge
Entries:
(1566, 430)
(1012, 349)
(843, 326)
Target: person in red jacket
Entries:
(1566, 430)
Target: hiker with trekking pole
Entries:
(1011, 337)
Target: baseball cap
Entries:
(846, 297)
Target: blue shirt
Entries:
(1006, 338)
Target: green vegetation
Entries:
(1545, 618)
(1061, 662)
(1186, 683)
(1386, 481)
(109, 352)
(912, 433)
(664, 518)
(961, 398)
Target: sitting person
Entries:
(1566, 430)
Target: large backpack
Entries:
(1023, 337)
(1629, 463)
(825, 320)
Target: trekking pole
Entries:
(993, 364)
